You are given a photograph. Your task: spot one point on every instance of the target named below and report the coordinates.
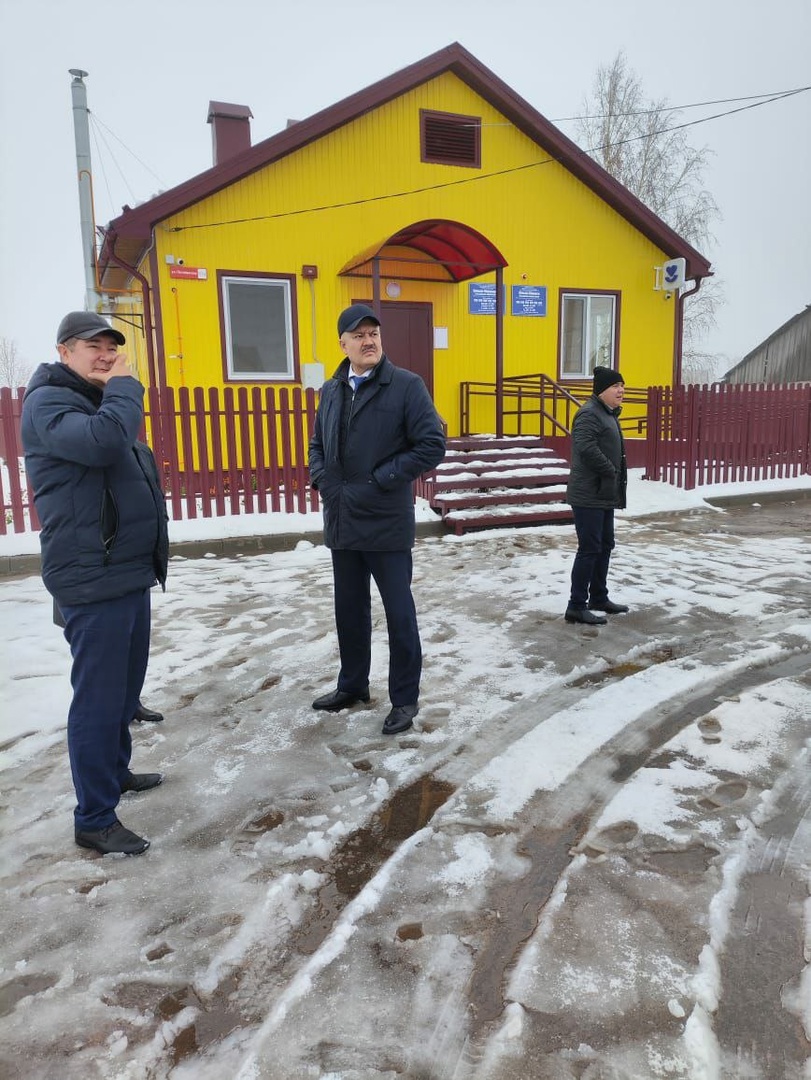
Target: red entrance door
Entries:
(408, 337)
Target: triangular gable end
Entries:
(128, 235)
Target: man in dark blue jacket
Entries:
(596, 488)
(376, 430)
(104, 544)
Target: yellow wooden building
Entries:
(492, 246)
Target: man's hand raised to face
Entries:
(118, 368)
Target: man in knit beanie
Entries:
(596, 488)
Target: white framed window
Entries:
(258, 328)
(588, 333)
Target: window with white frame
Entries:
(588, 333)
(258, 328)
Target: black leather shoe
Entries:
(582, 615)
(610, 608)
(141, 781)
(339, 699)
(400, 718)
(143, 713)
(114, 840)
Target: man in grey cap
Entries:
(104, 544)
(376, 430)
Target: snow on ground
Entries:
(596, 816)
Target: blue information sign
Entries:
(529, 300)
(482, 298)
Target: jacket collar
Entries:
(58, 374)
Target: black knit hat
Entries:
(605, 377)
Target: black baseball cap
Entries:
(351, 316)
(84, 325)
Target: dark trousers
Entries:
(391, 570)
(595, 542)
(109, 643)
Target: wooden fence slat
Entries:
(273, 449)
(298, 442)
(215, 430)
(231, 447)
(287, 468)
(246, 471)
(310, 399)
(259, 449)
(201, 443)
(188, 471)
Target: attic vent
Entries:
(450, 139)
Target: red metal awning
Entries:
(446, 251)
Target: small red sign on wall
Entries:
(198, 273)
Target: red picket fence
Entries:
(232, 452)
(244, 451)
(221, 452)
(720, 434)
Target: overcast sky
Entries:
(155, 65)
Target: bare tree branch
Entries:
(630, 137)
(14, 371)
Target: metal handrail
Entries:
(557, 403)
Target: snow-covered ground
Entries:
(590, 858)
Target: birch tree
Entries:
(639, 142)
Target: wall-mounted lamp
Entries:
(393, 289)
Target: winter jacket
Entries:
(367, 448)
(96, 488)
(599, 474)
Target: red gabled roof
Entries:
(134, 227)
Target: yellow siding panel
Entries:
(331, 200)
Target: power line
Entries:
(485, 176)
(680, 108)
(94, 118)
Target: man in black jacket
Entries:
(597, 484)
(104, 544)
(376, 430)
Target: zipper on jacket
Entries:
(109, 524)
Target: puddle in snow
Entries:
(362, 854)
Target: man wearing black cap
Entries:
(596, 488)
(376, 430)
(104, 545)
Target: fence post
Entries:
(652, 434)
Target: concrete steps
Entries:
(485, 483)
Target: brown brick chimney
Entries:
(230, 129)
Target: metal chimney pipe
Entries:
(84, 175)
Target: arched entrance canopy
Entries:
(446, 251)
(442, 251)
